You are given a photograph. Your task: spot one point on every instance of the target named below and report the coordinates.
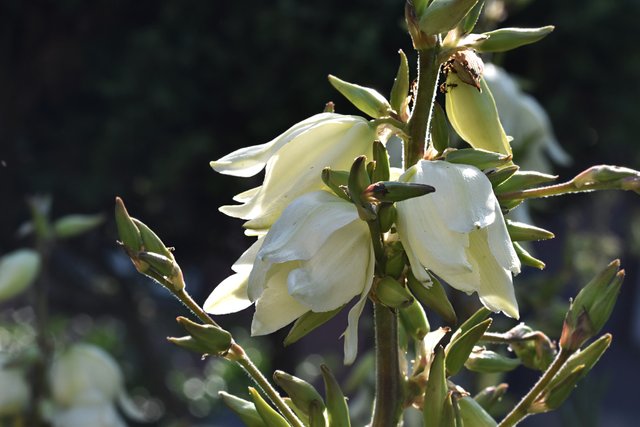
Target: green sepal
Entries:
(316, 414)
(500, 175)
(269, 415)
(128, 232)
(387, 215)
(302, 393)
(336, 181)
(74, 225)
(592, 307)
(458, 350)
(482, 159)
(244, 409)
(474, 415)
(504, 39)
(215, 339)
(471, 19)
(307, 323)
(190, 343)
(433, 297)
(395, 191)
(439, 129)
(150, 240)
(519, 232)
(488, 361)
(381, 159)
(392, 294)
(442, 16)
(526, 258)
(337, 408)
(365, 99)
(523, 180)
(488, 397)
(400, 89)
(414, 319)
(436, 391)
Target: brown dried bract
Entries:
(467, 65)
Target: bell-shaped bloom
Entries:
(316, 257)
(459, 233)
(294, 162)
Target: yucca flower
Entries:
(459, 234)
(294, 162)
(316, 257)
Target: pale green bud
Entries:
(526, 258)
(18, 270)
(443, 15)
(215, 339)
(336, 181)
(473, 415)
(190, 343)
(519, 231)
(244, 409)
(534, 349)
(436, 391)
(500, 175)
(489, 396)
(381, 158)
(301, 392)
(504, 39)
(316, 414)
(414, 319)
(608, 177)
(367, 100)
(400, 89)
(269, 415)
(395, 191)
(307, 323)
(459, 349)
(128, 231)
(523, 180)
(439, 129)
(162, 269)
(487, 361)
(392, 294)
(337, 409)
(358, 183)
(481, 159)
(433, 297)
(150, 240)
(74, 225)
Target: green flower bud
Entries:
(439, 129)
(358, 182)
(162, 269)
(469, 22)
(337, 409)
(18, 270)
(365, 99)
(473, 114)
(608, 177)
(459, 349)
(526, 258)
(395, 191)
(592, 307)
(415, 321)
(523, 180)
(392, 294)
(150, 240)
(433, 297)
(336, 181)
(381, 159)
(400, 89)
(473, 415)
(482, 159)
(395, 261)
(244, 409)
(128, 231)
(269, 415)
(489, 396)
(500, 175)
(216, 340)
(519, 231)
(190, 343)
(436, 391)
(504, 39)
(74, 225)
(487, 361)
(387, 215)
(443, 15)
(301, 392)
(307, 323)
(534, 349)
(316, 414)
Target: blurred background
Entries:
(133, 99)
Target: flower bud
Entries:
(459, 349)
(150, 240)
(473, 114)
(74, 225)
(301, 392)
(316, 414)
(526, 258)
(592, 307)
(487, 361)
(534, 349)
(473, 415)
(387, 215)
(215, 339)
(307, 323)
(336, 181)
(439, 129)
(436, 391)
(244, 409)
(392, 294)
(162, 269)
(608, 177)
(128, 231)
(433, 297)
(504, 39)
(489, 396)
(443, 15)
(381, 159)
(190, 343)
(358, 183)
(523, 180)
(519, 231)
(394, 191)
(415, 321)
(400, 89)
(365, 99)
(18, 270)
(395, 260)
(337, 409)
(482, 159)
(500, 175)
(269, 415)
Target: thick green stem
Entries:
(521, 410)
(186, 299)
(428, 71)
(387, 408)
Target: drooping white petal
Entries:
(351, 333)
(500, 243)
(295, 169)
(305, 225)
(246, 195)
(335, 274)
(276, 308)
(248, 161)
(496, 283)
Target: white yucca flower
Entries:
(459, 233)
(294, 162)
